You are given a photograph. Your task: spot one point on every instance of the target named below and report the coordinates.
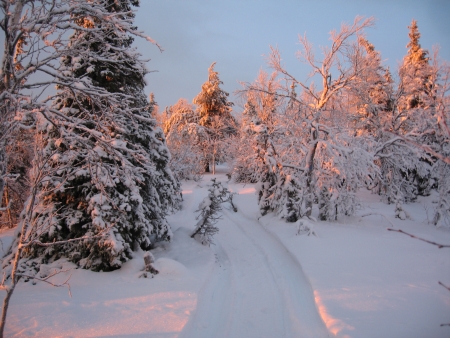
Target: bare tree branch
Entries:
(440, 246)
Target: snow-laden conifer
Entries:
(209, 210)
(246, 167)
(216, 123)
(112, 174)
(264, 162)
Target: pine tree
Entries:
(209, 210)
(417, 103)
(256, 161)
(267, 165)
(415, 72)
(375, 117)
(112, 174)
(215, 117)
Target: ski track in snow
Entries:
(256, 288)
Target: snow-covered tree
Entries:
(180, 124)
(266, 101)
(113, 176)
(417, 80)
(257, 161)
(246, 165)
(15, 193)
(264, 104)
(430, 137)
(318, 145)
(209, 210)
(38, 41)
(417, 103)
(373, 113)
(35, 39)
(215, 118)
(264, 162)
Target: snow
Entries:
(259, 279)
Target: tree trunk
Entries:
(214, 162)
(18, 254)
(11, 21)
(3, 165)
(14, 279)
(8, 207)
(309, 173)
(9, 293)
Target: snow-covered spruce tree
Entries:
(371, 94)
(265, 163)
(373, 113)
(417, 103)
(35, 38)
(287, 197)
(442, 169)
(417, 80)
(423, 100)
(113, 175)
(209, 210)
(215, 118)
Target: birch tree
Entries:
(314, 112)
(180, 125)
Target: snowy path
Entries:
(256, 289)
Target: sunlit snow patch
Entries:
(333, 325)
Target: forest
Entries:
(91, 172)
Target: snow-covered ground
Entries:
(260, 279)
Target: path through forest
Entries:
(256, 288)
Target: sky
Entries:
(237, 34)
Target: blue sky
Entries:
(238, 33)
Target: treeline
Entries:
(354, 124)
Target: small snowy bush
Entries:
(209, 210)
(305, 227)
